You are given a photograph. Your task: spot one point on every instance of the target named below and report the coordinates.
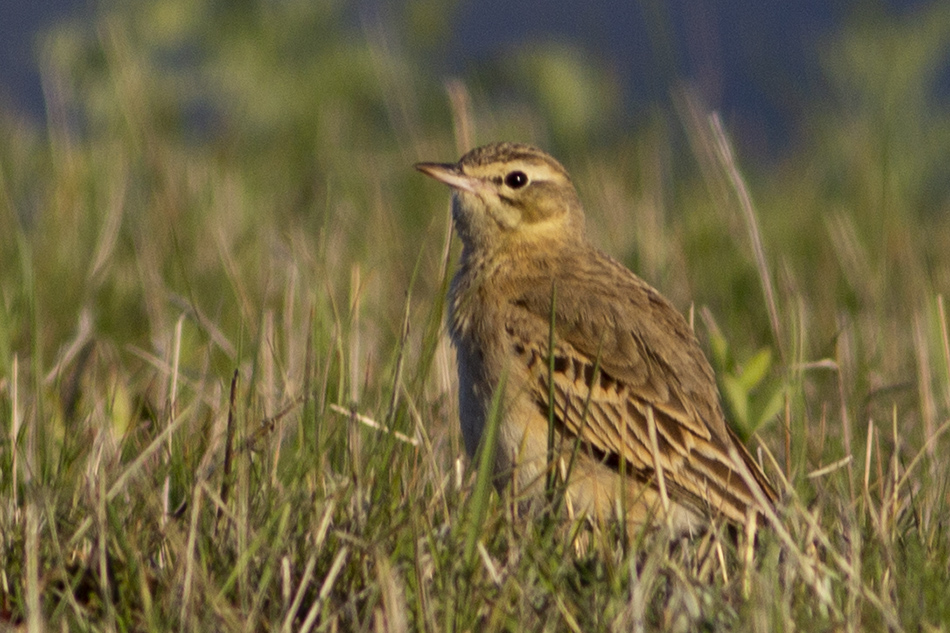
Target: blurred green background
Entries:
(177, 129)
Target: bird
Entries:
(593, 374)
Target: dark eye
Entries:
(516, 179)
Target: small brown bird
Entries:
(635, 400)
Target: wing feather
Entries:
(619, 352)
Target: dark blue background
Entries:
(756, 61)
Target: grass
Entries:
(228, 401)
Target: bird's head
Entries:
(510, 195)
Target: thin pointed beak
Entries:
(449, 174)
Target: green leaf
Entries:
(738, 399)
(485, 456)
(771, 408)
(720, 350)
(756, 368)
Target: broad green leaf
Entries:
(756, 368)
(771, 408)
(738, 399)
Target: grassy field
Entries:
(227, 399)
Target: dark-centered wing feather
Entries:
(621, 351)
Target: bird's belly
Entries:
(520, 452)
(471, 411)
(521, 457)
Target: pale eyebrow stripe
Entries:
(537, 161)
